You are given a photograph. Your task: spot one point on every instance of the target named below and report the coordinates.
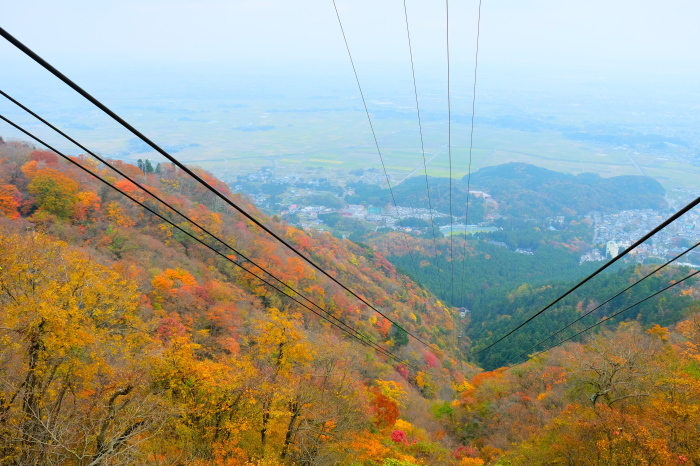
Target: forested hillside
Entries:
(126, 342)
(522, 191)
(627, 396)
(501, 288)
(525, 190)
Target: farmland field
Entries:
(232, 131)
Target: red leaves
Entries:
(48, 157)
(465, 452)
(385, 410)
(430, 359)
(399, 436)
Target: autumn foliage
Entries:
(124, 341)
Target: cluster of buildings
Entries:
(460, 228)
(616, 232)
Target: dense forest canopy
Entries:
(526, 190)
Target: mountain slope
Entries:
(134, 343)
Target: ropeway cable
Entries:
(610, 299)
(145, 189)
(619, 312)
(374, 135)
(660, 227)
(363, 339)
(184, 168)
(471, 143)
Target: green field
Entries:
(238, 135)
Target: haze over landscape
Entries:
(319, 297)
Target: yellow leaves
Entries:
(73, 318)
(462, 387)
(116, 214)
(392, 390)
(166, 229)
(281, 341)
(403, 425)
(54, 192)
(471, 461)
(421, 379)
(660, 332)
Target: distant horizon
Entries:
(197, 76)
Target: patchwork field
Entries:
(236, 133)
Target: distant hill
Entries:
(531, 191)
(522, 190)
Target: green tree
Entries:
(399, 335)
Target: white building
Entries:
(612, 249)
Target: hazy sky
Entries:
(631, 63)
(594, 32)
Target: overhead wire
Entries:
(374, 135)
(363, 339)
(31, 54)
(420, 128)
(584, 315)
(619, 312)
(170, 206)
(449, 148)
(471, 143)
(660, 227)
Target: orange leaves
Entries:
(10, 199)
(30, 168)
(368, 447)
(384, 325)
(129, 188)
(210, 359)
(298, 269)
(171, 280)
(131, 170)
(161, 283)
(207, 219)
(180, 276)
(386, 411)
(87, 205)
